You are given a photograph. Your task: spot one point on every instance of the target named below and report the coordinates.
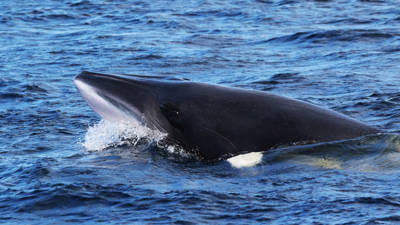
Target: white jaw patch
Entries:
(104, 108)
(246, 160)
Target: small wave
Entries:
(34, 88)
(147, 57)
(10, 95)
(264, 1)
(280, 78)
(385, 219)
(59, 16)
(81, 3)
(351, 21)
(214, 41)
(216, 13)
(378, 200)
(71, 196)
(175, 25)
(5, 19)
(372, 1)
(327, 36)
(44, 15)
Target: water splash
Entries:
(106, 134)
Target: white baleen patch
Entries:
(246, 160)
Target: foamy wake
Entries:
(106, 134)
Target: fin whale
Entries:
(211, 121)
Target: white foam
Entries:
(246, 160)
(106, 134)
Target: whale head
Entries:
(123, 98)
(181, 109)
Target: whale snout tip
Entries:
(81, 76)
(83, 82)
(87, 78)
(79, 80)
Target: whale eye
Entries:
(171, 112)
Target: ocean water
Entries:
(60, 163)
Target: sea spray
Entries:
(107, 134)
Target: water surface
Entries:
(59, 163)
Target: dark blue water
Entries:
(60, 164)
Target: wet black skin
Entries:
(216, 122)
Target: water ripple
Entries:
(329, 36)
